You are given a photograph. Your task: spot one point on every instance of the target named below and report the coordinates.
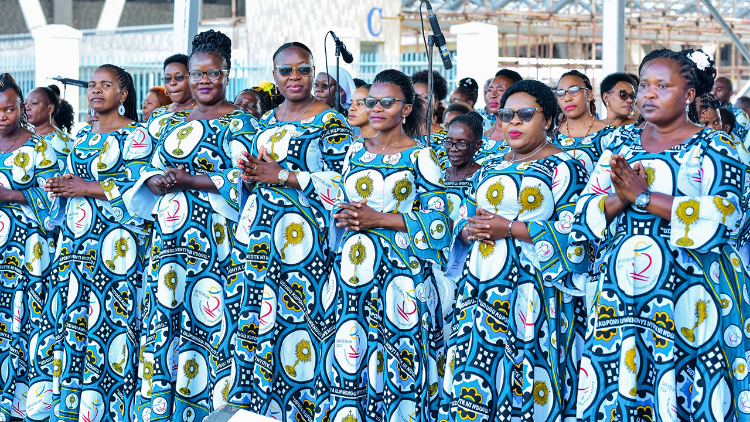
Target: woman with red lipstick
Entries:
(383, 354)
(190, 193)
(519, 306)
(618, 95)
(93, 304)
(291, 180)
(177, 86)
(580, 133)
(668, 338)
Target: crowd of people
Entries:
(313, 261)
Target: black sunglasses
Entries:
(624, 95)
(178, 78)
(573, 91)
(461, 146)
(385, 102)
(302, 70)
(524, 114)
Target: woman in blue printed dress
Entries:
(580, 134)
(383, 357)
(666, 339)
(515, 343)
(53, 119)
(26, 160)
(291, 180)
(98, 268)
(177, 84)
(192, 294)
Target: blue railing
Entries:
(22, 70)
(409, 63)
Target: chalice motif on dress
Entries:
(121, 250)
(100, 165)
(293, 234)
(495, 194)
(701, 313)
(181, 135)
(191, 370)
(37, 251)
(170, 280)
(41, 147)
(22, 160)
(304, 354)
(687, 213)
(401, 191)
(118, 365)
(357, 255)
(277, 136)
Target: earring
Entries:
(121, 110)
(403, 120)
(606, 104)
(687, 102)
(91, 112)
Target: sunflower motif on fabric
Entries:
(205, 164)
(170, 280)
(701, 314)
(604, 313)
(495, 194)
(294, 233)
(121, 250)
(530, 199)
(407, 358)
(191, 369)
(80, 322)
(10, 260)
(725, 207)
(22, 160)
(688, 213)
(194, 245)
(219, 233)
(364, 186)
(632, 367)
(662, 319)
(332, 123)
(485, 249)
(251, 330)
(502, 306)
(303, 351)
(401, 191)
(472, 395)
(650, 175)
(290, 302)
(541, 393)
(357, 255)
(181, 135)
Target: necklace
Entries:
(13, 144)
(513, 160)
(455, 174)
(575, 144)
(391, 145)
(286, 107)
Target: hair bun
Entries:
(469, 83)
(213, 41)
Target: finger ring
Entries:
(256, 167)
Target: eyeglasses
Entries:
(624, 95)
(213, 74)
(385, 102)
(461, 146)
(573, 91)
(302, 70)
(324, 87)
(178, 78)
(524, 114)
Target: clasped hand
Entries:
(173, 180)
(260, 169)
(68, 185)
(629, 182)
(486, 227)
(357, 216)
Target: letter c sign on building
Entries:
(370, 19)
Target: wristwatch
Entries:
(641, 201)
(283, 176)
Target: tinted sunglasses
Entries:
(385, 102)
(524, 114)
(573, 91)
(213, 74)
(178, 78)
(461, 146)
(302, 70)
(624, 95)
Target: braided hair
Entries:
(126, 84)
(7, 82)
(700, 80)
(472, 120)
(63, 112)
(439, 84)
(412, 127)
(213, 42)
(587, 84)
(469, 88)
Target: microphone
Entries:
(74, 82)
(342, 48)
(437, 35)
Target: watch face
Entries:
(641, 200)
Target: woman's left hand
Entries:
(629, 182)
(67, 186)
(358, 216)
(487, 227)
(262, 169)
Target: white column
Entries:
(111, 13)
(57, 53)
(32, 13)
(186, 17)
(477, 49)
(613, 37)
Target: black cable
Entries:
(328, 75)
(428, 122)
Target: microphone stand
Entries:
(337, 97)
(430, 43)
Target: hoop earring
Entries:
(121, 110)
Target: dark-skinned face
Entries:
(459, 133)
(104, 92)
(208, 91)
(524, 137)
(294, 87)
(663, 92)
(382, 119)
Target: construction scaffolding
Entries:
(548, 34)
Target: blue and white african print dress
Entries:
(741, 123)
(586, 150)
(26, 246)
(191, 299)
(284, 232)
(62, 143)
(436, 143)
(667, 338)
(95, 282)
(488, 119)
(384, 357)
(518, 329)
